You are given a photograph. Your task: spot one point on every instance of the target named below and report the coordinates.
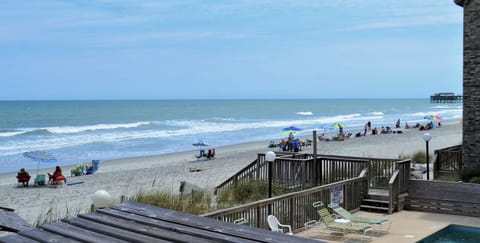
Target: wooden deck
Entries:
(11, 222)
(134, 222)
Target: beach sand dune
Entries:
(126, 177)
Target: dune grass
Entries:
(195, 203)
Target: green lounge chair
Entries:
(242, 221)
(344, 226)
(379, 225)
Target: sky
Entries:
(237, 49)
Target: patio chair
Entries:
(379, 225)
(344, 226)
(275, 225)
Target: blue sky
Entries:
(189, 49)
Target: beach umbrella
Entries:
(338, 125)
(433, 117)
(290, 129)
(40, 156)
(200, 143)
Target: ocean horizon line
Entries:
(218, 99)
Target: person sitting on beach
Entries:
(23, 177)
(210, 154)
(374, 131)
(283, 145)
(406, 125)
(322, 137)
(296, 145)
(56, 177)
(383, 131)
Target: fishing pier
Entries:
(445, 98)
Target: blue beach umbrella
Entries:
(40, 156)
(200, 143)
(290, 129)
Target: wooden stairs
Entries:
(376, 201)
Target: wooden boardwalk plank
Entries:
(45, 236)
(146, 229)
(77, 233)
(207, 224)
(117, 233)
(16, 239)
(10, 221)
(184, 229)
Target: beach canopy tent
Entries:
(290, 129)
(40, 156)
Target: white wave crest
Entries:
(79, 129)
(223, 119)
(376, 113)
(442, 107)
(11, 134)
(304, 113)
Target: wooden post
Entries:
(317, 179)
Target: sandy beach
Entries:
(128, 176)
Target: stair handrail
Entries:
(393, 191)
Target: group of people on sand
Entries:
(425, 127)
(24, 177)
(293, 144)
(341, 136)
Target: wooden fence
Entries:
(448, 161)
(296, 208)
(444, 197)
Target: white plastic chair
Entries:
(275, 226)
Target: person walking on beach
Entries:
(369, 126)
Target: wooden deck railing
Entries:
(447, 161)
(296, 208)
(298, 171)
(301, 171)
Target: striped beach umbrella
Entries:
(40, 156)
(433, 117)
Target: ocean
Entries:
(79, 131)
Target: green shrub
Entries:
(419, 157)
(247, 192)
(475, 179)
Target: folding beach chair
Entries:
(94, 167)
